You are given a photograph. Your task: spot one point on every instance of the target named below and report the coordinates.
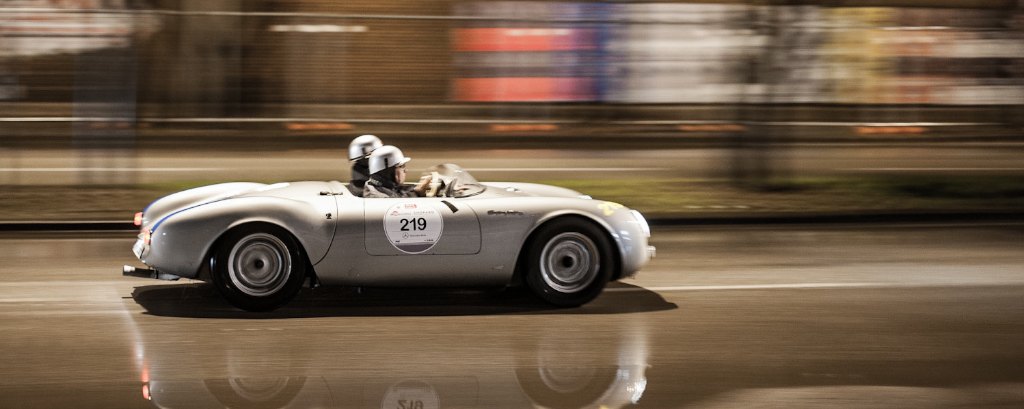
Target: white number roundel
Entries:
(413, 227)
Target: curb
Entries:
(68, 226)
(840, 218)
(661, 221)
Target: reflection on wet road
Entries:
(724, 317)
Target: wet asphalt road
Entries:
(788, 317)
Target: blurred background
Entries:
(673, 107)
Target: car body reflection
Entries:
(549, 367)
(523, 387)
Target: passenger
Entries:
(387, 175)
(359, 155)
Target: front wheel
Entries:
(258, 267)
(570, 261)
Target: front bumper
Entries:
(130, 271)
(140, 249)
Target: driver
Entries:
(387, 175)
(359, 155)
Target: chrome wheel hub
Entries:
(569, 262)
(259, 264)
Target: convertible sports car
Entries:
(259, 244)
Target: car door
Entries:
(420, 225)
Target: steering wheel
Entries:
(449, 190)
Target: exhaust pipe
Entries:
(147, 273)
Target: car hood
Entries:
(515, 189)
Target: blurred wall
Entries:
(266, 58)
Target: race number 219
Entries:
(415, 224)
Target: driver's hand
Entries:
(421, 186)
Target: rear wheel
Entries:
(258, 267)
(570, 261)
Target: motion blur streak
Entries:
(99, 84)
(262, 58)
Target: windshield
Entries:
(458, 181)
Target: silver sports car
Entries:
(259, 244)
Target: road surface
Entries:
(767, 316)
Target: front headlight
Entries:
(642, 222)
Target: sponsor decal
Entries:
(413, 229)
(504, 213)
(609, 208)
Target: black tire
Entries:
(258, 267)
(569, 261)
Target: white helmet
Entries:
(362, 146)
(385, 157)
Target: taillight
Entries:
(147, 236)
(138, 219)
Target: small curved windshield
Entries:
(458, 181)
